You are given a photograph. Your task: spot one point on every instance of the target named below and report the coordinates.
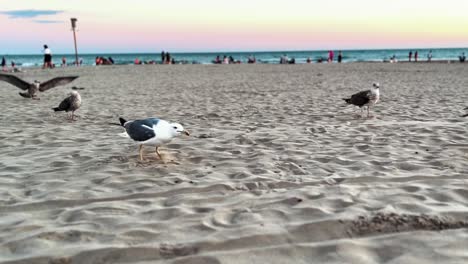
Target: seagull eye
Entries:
(175, 128)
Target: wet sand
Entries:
(278, 168)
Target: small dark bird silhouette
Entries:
(71, 103)
(35, 87)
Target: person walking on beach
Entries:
(340, 56)
(429, 56)
(410, 55)
(47, 58)
(416, 56)
(4, 64)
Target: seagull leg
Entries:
(141, 152)
(368, 110)
(159, 154)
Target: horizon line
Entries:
(244, 51)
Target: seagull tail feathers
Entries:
(56, 109)
(122, 121)
(347, 100)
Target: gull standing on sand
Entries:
(365, 98)
(71, 103)
(36, 86)
(152, 132)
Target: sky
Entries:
(109, 26)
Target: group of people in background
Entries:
(5, 66)
(231, 60)
(166, 58)
(103, 61)
(410, 56)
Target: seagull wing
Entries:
(56, 82)
(361, 98)
(65, 104)
(11, 79)
(139, 130)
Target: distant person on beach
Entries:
(47, 58)
(429, 56)
(4, 68)
(410, 56)
(13, 67)
(284, 59)
(217, 60)
(163, 57)
(64, 62)
(309, 60)
(110, 60)
(168, 58)
(225, 60)
(416, 56)
(251, 59)
(137, 61)
(340, 56)
(330, 56)
(462, 57)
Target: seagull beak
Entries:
(186, 132)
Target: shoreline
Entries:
(258, 63)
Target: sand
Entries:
(277, 170)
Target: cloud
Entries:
(47, 21)
(29, 13)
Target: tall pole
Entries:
(73, 23)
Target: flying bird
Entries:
(152, 132)
(33, 88)
(366, 98)
(71, 103)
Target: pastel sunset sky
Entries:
(238, 25)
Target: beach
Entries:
(278, 169)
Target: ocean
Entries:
(261, 57)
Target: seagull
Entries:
(71, 103)
(33, 88)
(152, 132)
(365, 98)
